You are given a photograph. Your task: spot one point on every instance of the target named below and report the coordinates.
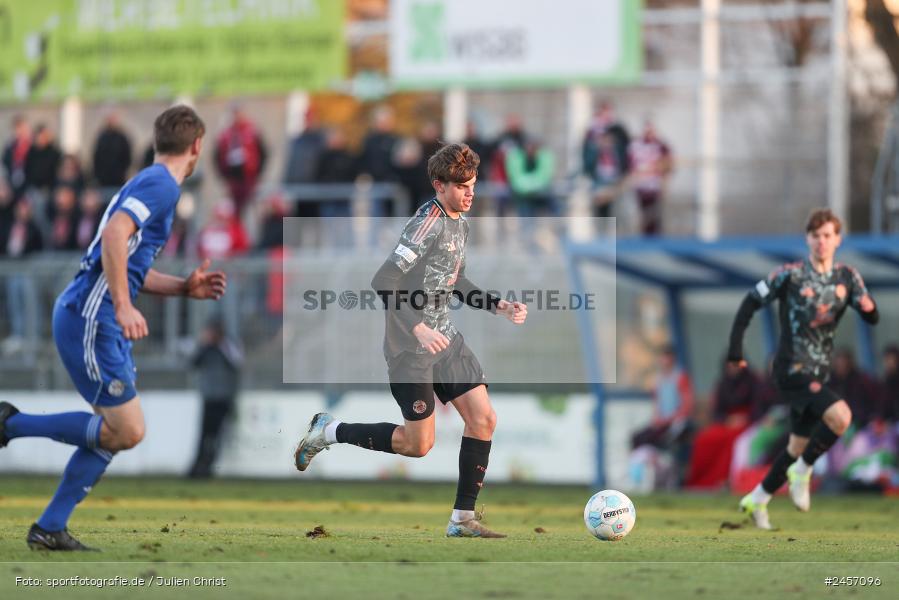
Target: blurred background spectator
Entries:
(862, 392)
(891, 384)
(661, 450)
(19, 240)
(217, 361)
(650, 162)
(376, 158)
(604, 165)
(224, 235)
(304, 159)
(733, 404)
(15, 154)
(112, 153)
(62, 214)
(70, 173)
(240, 156)
(42, 161)
(530, 169)
(90, 213)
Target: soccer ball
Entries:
(609, 515)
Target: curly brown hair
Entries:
(820, 217)
(456, 163)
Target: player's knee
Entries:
(130, 436)
(841, 419)
(490, 421)
(420, 448)
(483, 425)
(795, 448)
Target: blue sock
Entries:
(76, 428)
(84, 470)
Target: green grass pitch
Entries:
(385, 540)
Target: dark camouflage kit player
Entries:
(814, 293)
(426, 355)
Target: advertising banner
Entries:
(508, 43)
(160, 48)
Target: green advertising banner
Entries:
(514, 43)
(99, 49)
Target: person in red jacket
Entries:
(733, 401)
(224, 235)
(240, 156)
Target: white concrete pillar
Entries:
(838, 116)
(455, 114)
(297, 104)
(71, 125)
(710, 122)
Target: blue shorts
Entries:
(96, 355)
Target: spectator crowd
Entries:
(66, 198)
(744, 426)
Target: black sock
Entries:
(371, 436)
(777, 474)
(473, 458)
(819, 442)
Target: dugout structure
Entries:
(678, 268)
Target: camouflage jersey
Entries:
(431, 254)
(811, 305)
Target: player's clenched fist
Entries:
(431, 340)
(516, 312)
(133, 324)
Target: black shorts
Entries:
(807, 398)
(416, 378)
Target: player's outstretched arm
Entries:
(201, 284)
(868, 310)
(747, 309)
(475, 297)
(861, 300)
(114, 255)
(516, 312)
(764, 292)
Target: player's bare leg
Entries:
(480, 422)
(835, 422)
(414, 438)
(123, 426)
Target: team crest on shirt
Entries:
(807, 292)
(419, 407)
(840, 291)
(116, 388)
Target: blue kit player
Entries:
(95, 323)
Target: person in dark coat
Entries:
(218, 361)
(112, 154)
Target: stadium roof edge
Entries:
(770, 244)
(731, 261)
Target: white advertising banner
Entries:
(173, 426)
(548, 440)
(497, 43)
(534, 441)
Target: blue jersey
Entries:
(149, 198)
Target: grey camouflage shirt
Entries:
(431, 253)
